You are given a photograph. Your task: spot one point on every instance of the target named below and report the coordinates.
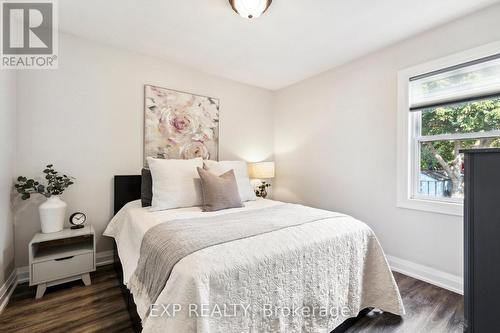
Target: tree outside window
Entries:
(444, 131)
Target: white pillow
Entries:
(240, 168)
(176, 183)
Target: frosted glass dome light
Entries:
(250, 8)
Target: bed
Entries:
(311, 277)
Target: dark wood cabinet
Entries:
(482, 240)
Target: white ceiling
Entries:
(294, 40)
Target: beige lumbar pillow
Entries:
(240, 168)
(219, 192)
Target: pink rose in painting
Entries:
(181, 123)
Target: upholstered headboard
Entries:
(126, 189)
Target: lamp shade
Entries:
(261, 170)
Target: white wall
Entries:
(87, 118)
(335, 143)
(7, 159)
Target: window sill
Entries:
(432, 206)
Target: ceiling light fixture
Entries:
(250, 8)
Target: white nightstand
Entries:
(61, 257)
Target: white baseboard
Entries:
(7, 289)
(427, 274)
(23, 274)
(101, 259)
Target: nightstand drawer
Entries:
(63, 267)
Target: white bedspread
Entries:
(323, 272)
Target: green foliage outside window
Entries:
(472, 117)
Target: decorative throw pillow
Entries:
(240, 168)
(219, 192)
(146, 188)
(176, 183)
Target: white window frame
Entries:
(407, 144)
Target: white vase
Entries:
(52, 214)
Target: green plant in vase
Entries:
(53, 210)
(261, 189)
(56, 184)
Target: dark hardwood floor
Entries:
(101, 308)
(428, 309)
(71, 307)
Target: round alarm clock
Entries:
(77, 220)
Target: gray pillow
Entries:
(219, 192)
(146, 188)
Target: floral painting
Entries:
(180, 125)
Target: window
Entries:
(445, 106)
